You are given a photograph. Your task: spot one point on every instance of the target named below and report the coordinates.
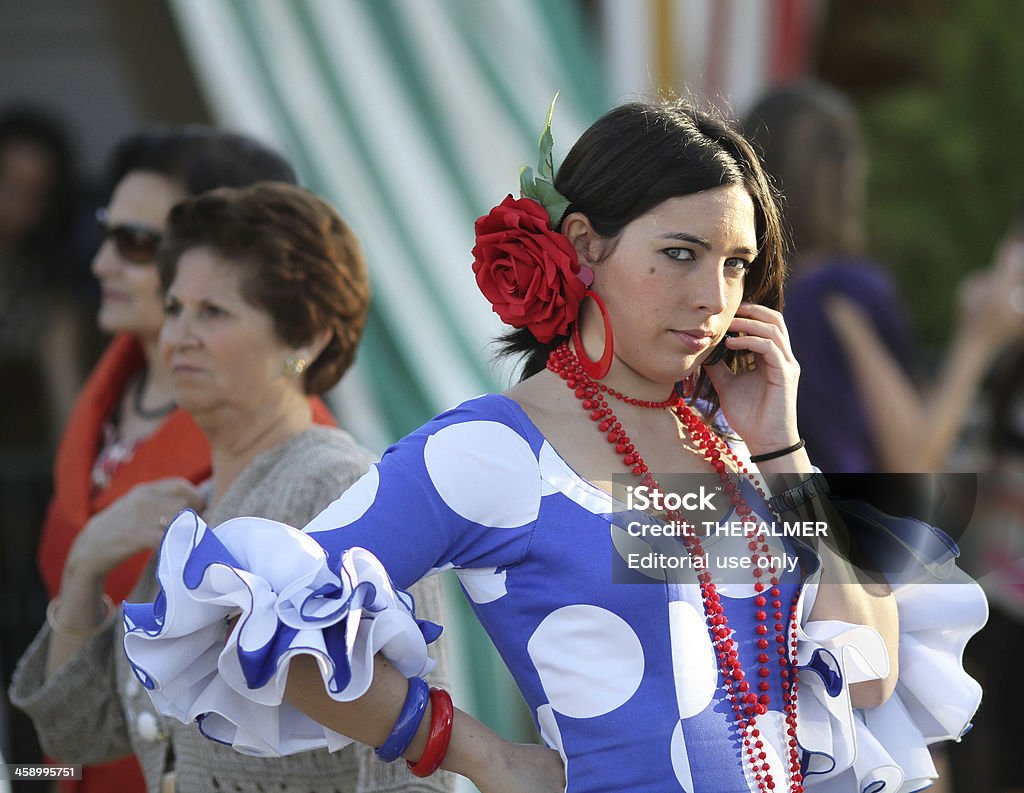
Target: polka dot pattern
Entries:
(483, 586)
(485, 472)
(589, 660)
(351, 508)
(680, 759)
(693, 659)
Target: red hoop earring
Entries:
(595, 369)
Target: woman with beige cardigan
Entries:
(265, 300)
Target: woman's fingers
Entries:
(754, 329)
(770, 351)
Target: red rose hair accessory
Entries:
(529, 272)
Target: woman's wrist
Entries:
(785, 437)
(81, 579)
(777, 453)
(82, 562)
(474, 751)
(786, 471)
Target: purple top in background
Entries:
(831, 413)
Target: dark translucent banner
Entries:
(895, 528)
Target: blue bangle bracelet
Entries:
(408, 720)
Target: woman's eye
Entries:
(172, 309)
(680, 254)
(213, 311)
(738, 265)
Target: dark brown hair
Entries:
(200, 158)
(638, 155)
(302, 265)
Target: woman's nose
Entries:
(106, 259)
(710, 293)
(176, 331)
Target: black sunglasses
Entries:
(136, 243)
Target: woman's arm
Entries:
(492, 763)
(760, 404)
(914, 433)
(495, 765)
(846, 592)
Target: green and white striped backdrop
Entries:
(412, 117)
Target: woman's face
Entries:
(674, 281)
(27, 173)
(131, 300)
(221, 350)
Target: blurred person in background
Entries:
(41, 364)
(125, 428)
(988, 763)
(265, 298)
(846, 317)
(37, 320)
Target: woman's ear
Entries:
(312, 350)
(576, 227)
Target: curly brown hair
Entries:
(302, 265)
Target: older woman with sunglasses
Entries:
(125, 428)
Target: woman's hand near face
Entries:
(135, 522)
(760, 404)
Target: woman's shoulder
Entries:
(856, 277)
(493, 408)
(322, 448)
(295, 480)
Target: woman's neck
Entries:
(159, 380)
(237, 436)
(147, 399)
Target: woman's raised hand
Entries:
(991, 301)
(135, 522)
(760, 403)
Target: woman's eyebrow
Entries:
(683, 236)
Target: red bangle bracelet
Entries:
(442, 713)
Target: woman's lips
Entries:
(114, 296)
(693, 341)
(186, 369)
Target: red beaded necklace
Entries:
(746, 704)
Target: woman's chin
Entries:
(114, 322)
(195, 403)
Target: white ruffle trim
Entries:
(940, 607)
(290, 603)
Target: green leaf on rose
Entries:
(541, 188)
(546, 163)
(526, 182)
(553, 201)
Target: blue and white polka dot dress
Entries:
(622, 678)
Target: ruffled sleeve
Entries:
(288, 602)
(462, 492)
(940, 607)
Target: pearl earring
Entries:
(295, 365)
